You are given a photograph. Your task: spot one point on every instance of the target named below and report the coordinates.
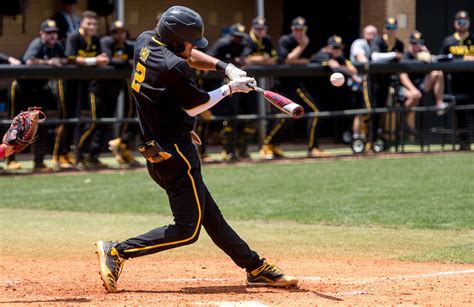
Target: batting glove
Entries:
(234, 73)
(242, 85)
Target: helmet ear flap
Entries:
(176, 47)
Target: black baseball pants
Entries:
(192, 206)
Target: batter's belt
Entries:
(153, 152)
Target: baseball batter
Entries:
(167, 99)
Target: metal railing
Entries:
(264, 74)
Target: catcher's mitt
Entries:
(22, 131)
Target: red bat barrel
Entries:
(284, 104)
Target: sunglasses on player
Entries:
(462, 22)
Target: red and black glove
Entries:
(22, 131)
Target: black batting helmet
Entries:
(180, 24)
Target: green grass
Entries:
(411, 208)
(47, 234)
(430, 192)
(454, 253)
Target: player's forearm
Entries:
(90, 61)
(294, 55)
(361, 58)
(299, 61)
(202, 61)
(383, 56)
(214, 97)
(35, 61)
(260, 60)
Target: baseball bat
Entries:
(284, 104)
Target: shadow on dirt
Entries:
(236, 290)
(56, 300)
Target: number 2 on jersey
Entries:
(138, 77)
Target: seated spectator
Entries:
(361, 52)
(415, 84)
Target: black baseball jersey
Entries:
(77, 45)
(255, 46)
(323, 57)
(119, 55)
(226, 49)
(454, 45)
(286, 44)
(163, 87)
(462, 81)
(38, 50)
(325, 88)
(119, 58)
(380, 45)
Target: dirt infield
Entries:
(208, 282)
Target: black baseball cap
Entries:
(237, 29)
(69, 1)
(462, 15)
(49, 25)
(417, 38)
(118, 25)
(335, 41)
(299, 23)
(391, 24)
(259, 22)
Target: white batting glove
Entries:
(242, 85)
(234, 73)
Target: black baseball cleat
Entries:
(110, 264)
(269, 275)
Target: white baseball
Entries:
(337, 79)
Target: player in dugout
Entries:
(385, 48)
(167, 99)
(461, 46)
(83, 48)
(47, 94)
(120, 52)
(294, 49)
(229, 48)
(421, 83)
(332, 57)
(361, 51)
(258, 50)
